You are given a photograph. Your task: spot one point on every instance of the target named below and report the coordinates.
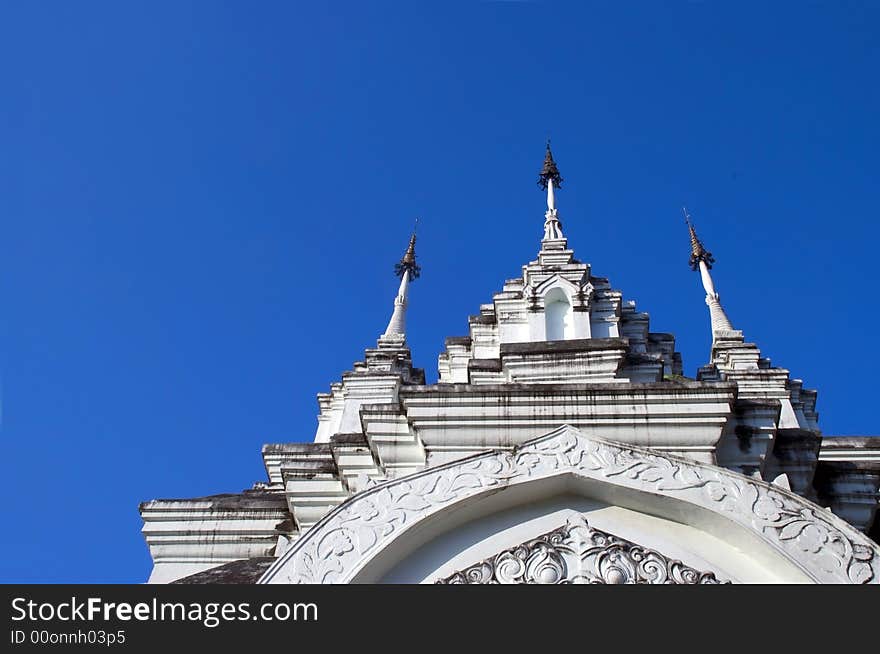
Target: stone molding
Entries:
(579, 554)
(824, 547)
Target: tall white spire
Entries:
(547, 178)
(701, 258)
(407, 269)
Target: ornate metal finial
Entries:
(549, 171)
(698, 252)
(408, 262)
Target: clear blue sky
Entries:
(202, 204)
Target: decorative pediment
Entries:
(348, 538)
(579, 554)
(556, 281)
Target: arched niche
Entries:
(699, 509)
(558, 315)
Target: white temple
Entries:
(561, 444)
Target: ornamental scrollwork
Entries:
(579, 554)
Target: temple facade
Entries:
(561, 444)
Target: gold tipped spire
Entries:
(698, 252)
(549, 171)
(408, 262)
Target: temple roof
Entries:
(247, 571)
(556, 345)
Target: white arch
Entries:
(345, 541)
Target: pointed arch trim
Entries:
(824, 547)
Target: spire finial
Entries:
(407, 269)
(548, 179)
(549, 171)
(702, 259)
(408, 262)
(698, 252)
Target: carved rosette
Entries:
(825, 547)
(579, 554)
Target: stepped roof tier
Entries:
(558, 364)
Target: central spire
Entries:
(547, 179)
(407, 269)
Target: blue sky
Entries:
(202, 204)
